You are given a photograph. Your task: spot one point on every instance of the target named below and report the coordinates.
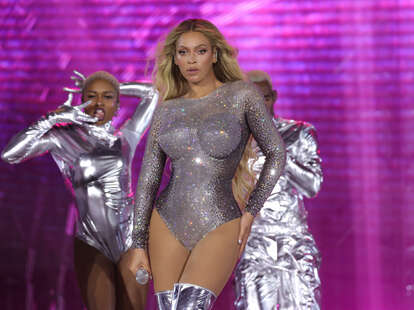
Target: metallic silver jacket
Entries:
(279, 267)
(96, 164)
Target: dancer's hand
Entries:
(135, 259)
(71, 114)
(79, 80)
(246, 222)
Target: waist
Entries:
(191, 189)
(100, 196)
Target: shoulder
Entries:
(242, 91)
(163, 107)
(163, 110)
(299, 125)
(244, 88)
(305, 129)
(168, 105)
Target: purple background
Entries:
(345, 66)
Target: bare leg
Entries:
(167, 255)
(96, 277)
(212, 260)
(130, 294)
(208, 266)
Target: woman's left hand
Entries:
(246, 222)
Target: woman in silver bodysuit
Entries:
(197, 231)
(95, 159)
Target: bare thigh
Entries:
(213, 259)
(167, 254)
(96, 276)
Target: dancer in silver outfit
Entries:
(95, 160)
(279, 267)
(196, 230)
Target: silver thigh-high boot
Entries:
(164, 299)
(192, 297)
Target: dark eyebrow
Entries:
(198, 46)
(105, 92)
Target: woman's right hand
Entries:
(135, 259)
(71, 114)
(246, 222)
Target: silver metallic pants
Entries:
(290, 283)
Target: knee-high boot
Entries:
(164, 299)
(192, 297)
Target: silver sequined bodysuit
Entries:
(96, 163)
(280, 264)
(205, 139)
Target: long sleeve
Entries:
(271, 144)
(303, 165)
(135, 127)
(143, 113)
(148, 183)
(30, 142)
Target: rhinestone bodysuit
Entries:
(205, 139)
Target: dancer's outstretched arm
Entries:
(34, 140)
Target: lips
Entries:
(99, 114)
(192, 71)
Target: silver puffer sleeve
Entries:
(34, 141)
(303, 166)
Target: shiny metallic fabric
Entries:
(192, 297)
(95, 162)
(279, 267)
(205, 139)
(164, 300)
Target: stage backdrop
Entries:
(344, 66)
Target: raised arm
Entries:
(271, 144)
(148, 183)
(303, 166)
(135, 127)
(143, 113)
(34, 140)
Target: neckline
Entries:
(106, 127)
(208, 95)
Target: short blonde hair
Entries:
(258, 76)
(101, 75)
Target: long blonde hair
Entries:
(171, 84)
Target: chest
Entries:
(213, 128)
(98, 164)
(96, 160)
